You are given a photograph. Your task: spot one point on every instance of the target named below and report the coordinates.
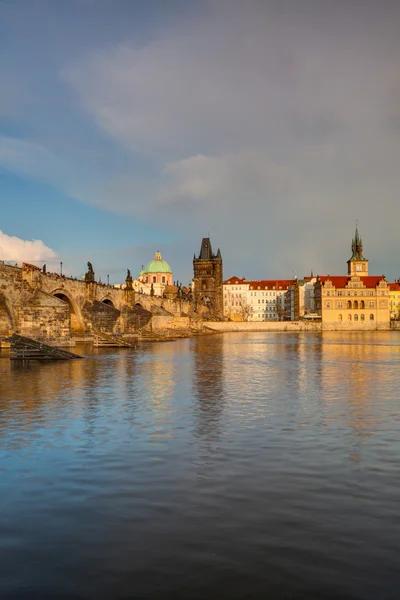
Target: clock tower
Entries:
(357, 265)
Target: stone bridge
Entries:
(47, 305)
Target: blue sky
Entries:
(128, 127)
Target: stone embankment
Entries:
(290, 326)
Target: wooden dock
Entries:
(101, 339)
(23, 348)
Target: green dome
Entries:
(157, 265)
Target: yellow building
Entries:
(394, 296)
(355, 301)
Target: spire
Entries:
(206, 250)
(357, 246)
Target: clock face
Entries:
(358, 267)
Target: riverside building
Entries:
(356, 301)
(255, 300)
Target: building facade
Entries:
(255, 300)
(394, 297)
(207, 281)
(357, 301)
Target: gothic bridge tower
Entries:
(357, 264)
(207, 282)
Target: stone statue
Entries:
(152, 290)
(128, 280)
(89, 276)
(44, 269)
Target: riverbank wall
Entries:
(297, 326)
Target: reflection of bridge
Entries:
(38, 304)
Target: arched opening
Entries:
(163, 278)
(154, 279)
(108, 302)
(6, 325)
(348, 303)
(349, 317)
(362, 305)
(356, 317)
(76, 326)
(362, 317)
(371, 317)
(340, 317)
(355, 305)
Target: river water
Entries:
(227, 466)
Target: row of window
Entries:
(352, 293)
(351, 305)
(362, 317)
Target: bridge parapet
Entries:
(34, 301)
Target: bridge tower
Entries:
(207, 281)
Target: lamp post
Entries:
(61, 268)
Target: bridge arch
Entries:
(77, 324)
(109, 302)
(6, 317)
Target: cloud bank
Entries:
(14, 249)
(274, 125)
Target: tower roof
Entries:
(357, 247)
(206, 252)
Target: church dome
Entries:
(157, 265)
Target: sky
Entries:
(131, 126)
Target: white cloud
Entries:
(14, 249)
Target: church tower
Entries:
(357, 265)
(207, 281)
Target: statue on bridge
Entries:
(89, 276)
(128, 280)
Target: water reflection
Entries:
(208, 384)
(245, 465)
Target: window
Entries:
(356, 317)
(371, 304)
(355, 304)
(349, 317)
(371, 317)
(348, 303)
(163, 279)
(340, 318)
(362, 304)
(362, 317)
(340, 305)
(328, 304)
(154, 279)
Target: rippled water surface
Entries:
(236, 466)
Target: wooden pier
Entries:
(101, 339)
(23, 348)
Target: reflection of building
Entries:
(157, 274)
(208, 384)
(356, 301)
(259, 300)
(207, 280)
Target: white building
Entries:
(259, 300)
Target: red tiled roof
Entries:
(340, 281)
(394, 287)
(270, 284)
(234, 280)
